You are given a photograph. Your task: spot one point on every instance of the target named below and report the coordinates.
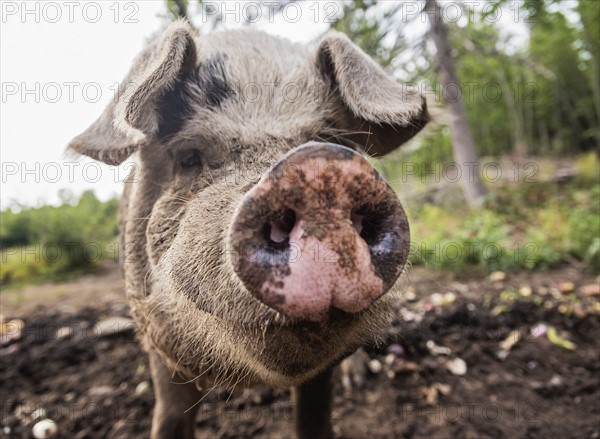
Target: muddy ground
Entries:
(94, 385)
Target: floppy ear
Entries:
(132, 118)
(389, 111)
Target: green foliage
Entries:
(52, 242)
(177, 8)
(372, 32)
(522, 227)
(537, 99)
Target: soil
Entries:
(96, 386)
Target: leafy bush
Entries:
(530, 226)
(53, 242)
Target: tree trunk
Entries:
(519, 143)
(462, 140)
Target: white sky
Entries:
(43, 52)
(59, 63)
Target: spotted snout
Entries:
(320, 231)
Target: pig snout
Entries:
(321, 231)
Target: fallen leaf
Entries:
(566, 287)
(557, 340)
(113, 325)
(590, 290)
(525, 291)
(444, 389)
(513, 338)
(434, 349)
(497, 276)
(499, 309)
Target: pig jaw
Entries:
(232, 352)
(320, 233)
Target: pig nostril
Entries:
(277, 230)
(357, 222)
(367, 220)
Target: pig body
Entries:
(210, 120)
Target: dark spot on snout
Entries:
(212, 80)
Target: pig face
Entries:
(248, 256)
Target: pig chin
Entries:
(264, 345)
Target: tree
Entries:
(178, 8)
(462, 139)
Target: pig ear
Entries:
(390, 113)
(132, 118)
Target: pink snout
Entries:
(321, 231)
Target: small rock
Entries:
(389, 359)
(45, 429)
(142, 388)
(375, 366)
(497, 276)
(532, 365)
(590, 290)
(113, 325)
(502, 355)
(436, 299)
(457, 366)
(396, 349)
(64, 332)
(555, 381)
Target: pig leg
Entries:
(313, 407)
(173, 417)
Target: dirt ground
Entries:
(530, 343)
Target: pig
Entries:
(259, 244)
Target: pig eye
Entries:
(191, 159)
